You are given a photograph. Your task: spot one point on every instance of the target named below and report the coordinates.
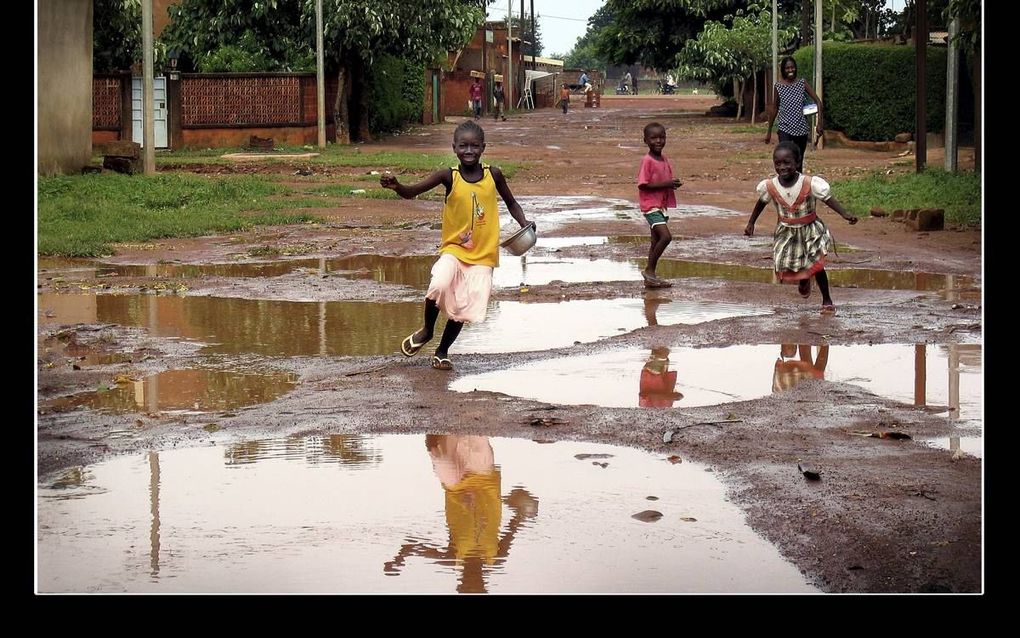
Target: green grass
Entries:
(959, 194)
(82, 216)
(340, 190)
(753, 128)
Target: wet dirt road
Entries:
(309, 344)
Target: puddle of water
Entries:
(538, 268)
(551, 212)
(399, 514)
(534, 268)
(520, 327)
(948, 376)
(292, 328)
(189, 390)
(843, 277)
(241, 326)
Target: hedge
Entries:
(869, 88)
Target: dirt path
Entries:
(887, 516)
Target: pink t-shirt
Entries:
(653, 170)
(475, 91)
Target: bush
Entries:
(869, 90)
(396, 92)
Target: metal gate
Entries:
(159, 99)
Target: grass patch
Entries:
(341, 190)
(959, 194)
(755, 128)
(82, 216)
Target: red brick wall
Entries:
(238, 137)
(102, 137)
(455, 92)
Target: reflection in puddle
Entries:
(949, 375)
(242, 326)
(842, 277)
(534, 326)
(535, 268)
(358, 328)
(194, 390)
(403, 514)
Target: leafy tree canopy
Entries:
(652, 32)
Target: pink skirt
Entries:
(460, 290)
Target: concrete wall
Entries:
(65, 86)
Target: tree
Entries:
(241, 35)
(116, 34)
(280, 34)
(731, 50)
(358, 30)
(652, 32)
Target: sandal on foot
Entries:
(409, 347)
(441, 363)
(804, 288)
(828, 309)
(654, 282)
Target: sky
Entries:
(560, 22)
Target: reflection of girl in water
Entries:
(474, 508)
(657, 388)
(789, 372)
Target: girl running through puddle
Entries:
(801, 240)
(462, 276)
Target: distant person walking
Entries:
(788, 104)
(475, 93)
(500, 97)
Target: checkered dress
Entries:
(791, 107)
(798, 250)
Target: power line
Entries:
(545, 15)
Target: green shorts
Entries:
(656, 216)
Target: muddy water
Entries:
(291, 328)
(399, 514)
(949, 376)
(538, 267)
(188, 391)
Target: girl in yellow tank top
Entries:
(462, 276)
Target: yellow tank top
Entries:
(471, 220)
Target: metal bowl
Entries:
(522, 241)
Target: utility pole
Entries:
(534, 39)
(775, 51)
(952, 97)
(920, 50)
(819, 140)
(148, 117)
(509, 53)
(320, 76)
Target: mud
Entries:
(885, 516)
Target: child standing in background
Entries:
(656, 186)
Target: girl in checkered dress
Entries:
(801, 240)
